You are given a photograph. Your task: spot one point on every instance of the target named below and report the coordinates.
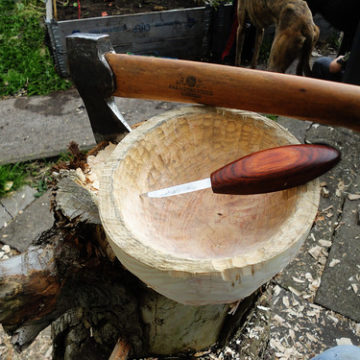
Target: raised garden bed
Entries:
(83, 9)
(145, 27)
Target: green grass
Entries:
(272, 117)
(36, 174)
(11, 178)
(26, 66)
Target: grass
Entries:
(12, 177)
(272, 117)
(26, 66)
(36, 174)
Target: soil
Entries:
(81, 9)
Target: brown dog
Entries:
(295, 34)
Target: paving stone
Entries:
(296, 127)
(19, 200)
(304, 274)
(340, 282)
(5, 217)
(29, 225)
(42, 126)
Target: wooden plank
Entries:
(181, 33)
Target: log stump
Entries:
(123, 276)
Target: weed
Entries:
(272, 117)
(12, 177)
(334, 40)
(41, 187)
(36, 174)
(26, 66)
(216, 3)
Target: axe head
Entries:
(95, 82)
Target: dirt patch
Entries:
(81, 9)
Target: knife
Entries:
(264, 171)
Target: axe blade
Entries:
(86, 58)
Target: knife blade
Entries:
(263, 171)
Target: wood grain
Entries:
(274, 169)
(303, 98)
(200, 248)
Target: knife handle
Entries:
(274, 169)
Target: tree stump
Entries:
(184, 261)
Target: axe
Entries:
(100, 74)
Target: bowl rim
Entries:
(123, 240)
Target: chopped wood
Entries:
(315, 251)
(334, 262)
(355, 288)
(325, 243)
(354, 197)
(344, 341)
(325, 192)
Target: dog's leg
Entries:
(294, 38)
(240, 35)
(284, 50)
(258, 41)
(303, 66)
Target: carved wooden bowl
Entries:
(200, 248)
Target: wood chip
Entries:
(315, 284)
(344, 341)
(333, 318)
(294, 291)
(285, 301)
(325, 192)
(325, 243)
(277, 289)
(334, 262)
(311, 338)
(354, 196)
(341, 185)
(355, 288)
(315, 251)
(328, 208)
(6, 249)
(275, 344)
(80, 175)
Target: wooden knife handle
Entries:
(274, 169)
(326, 102)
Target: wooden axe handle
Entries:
(326, 102)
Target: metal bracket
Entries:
(95, 82)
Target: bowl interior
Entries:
(201, 224)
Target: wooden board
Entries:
(181, 33)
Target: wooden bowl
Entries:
(200, 248)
